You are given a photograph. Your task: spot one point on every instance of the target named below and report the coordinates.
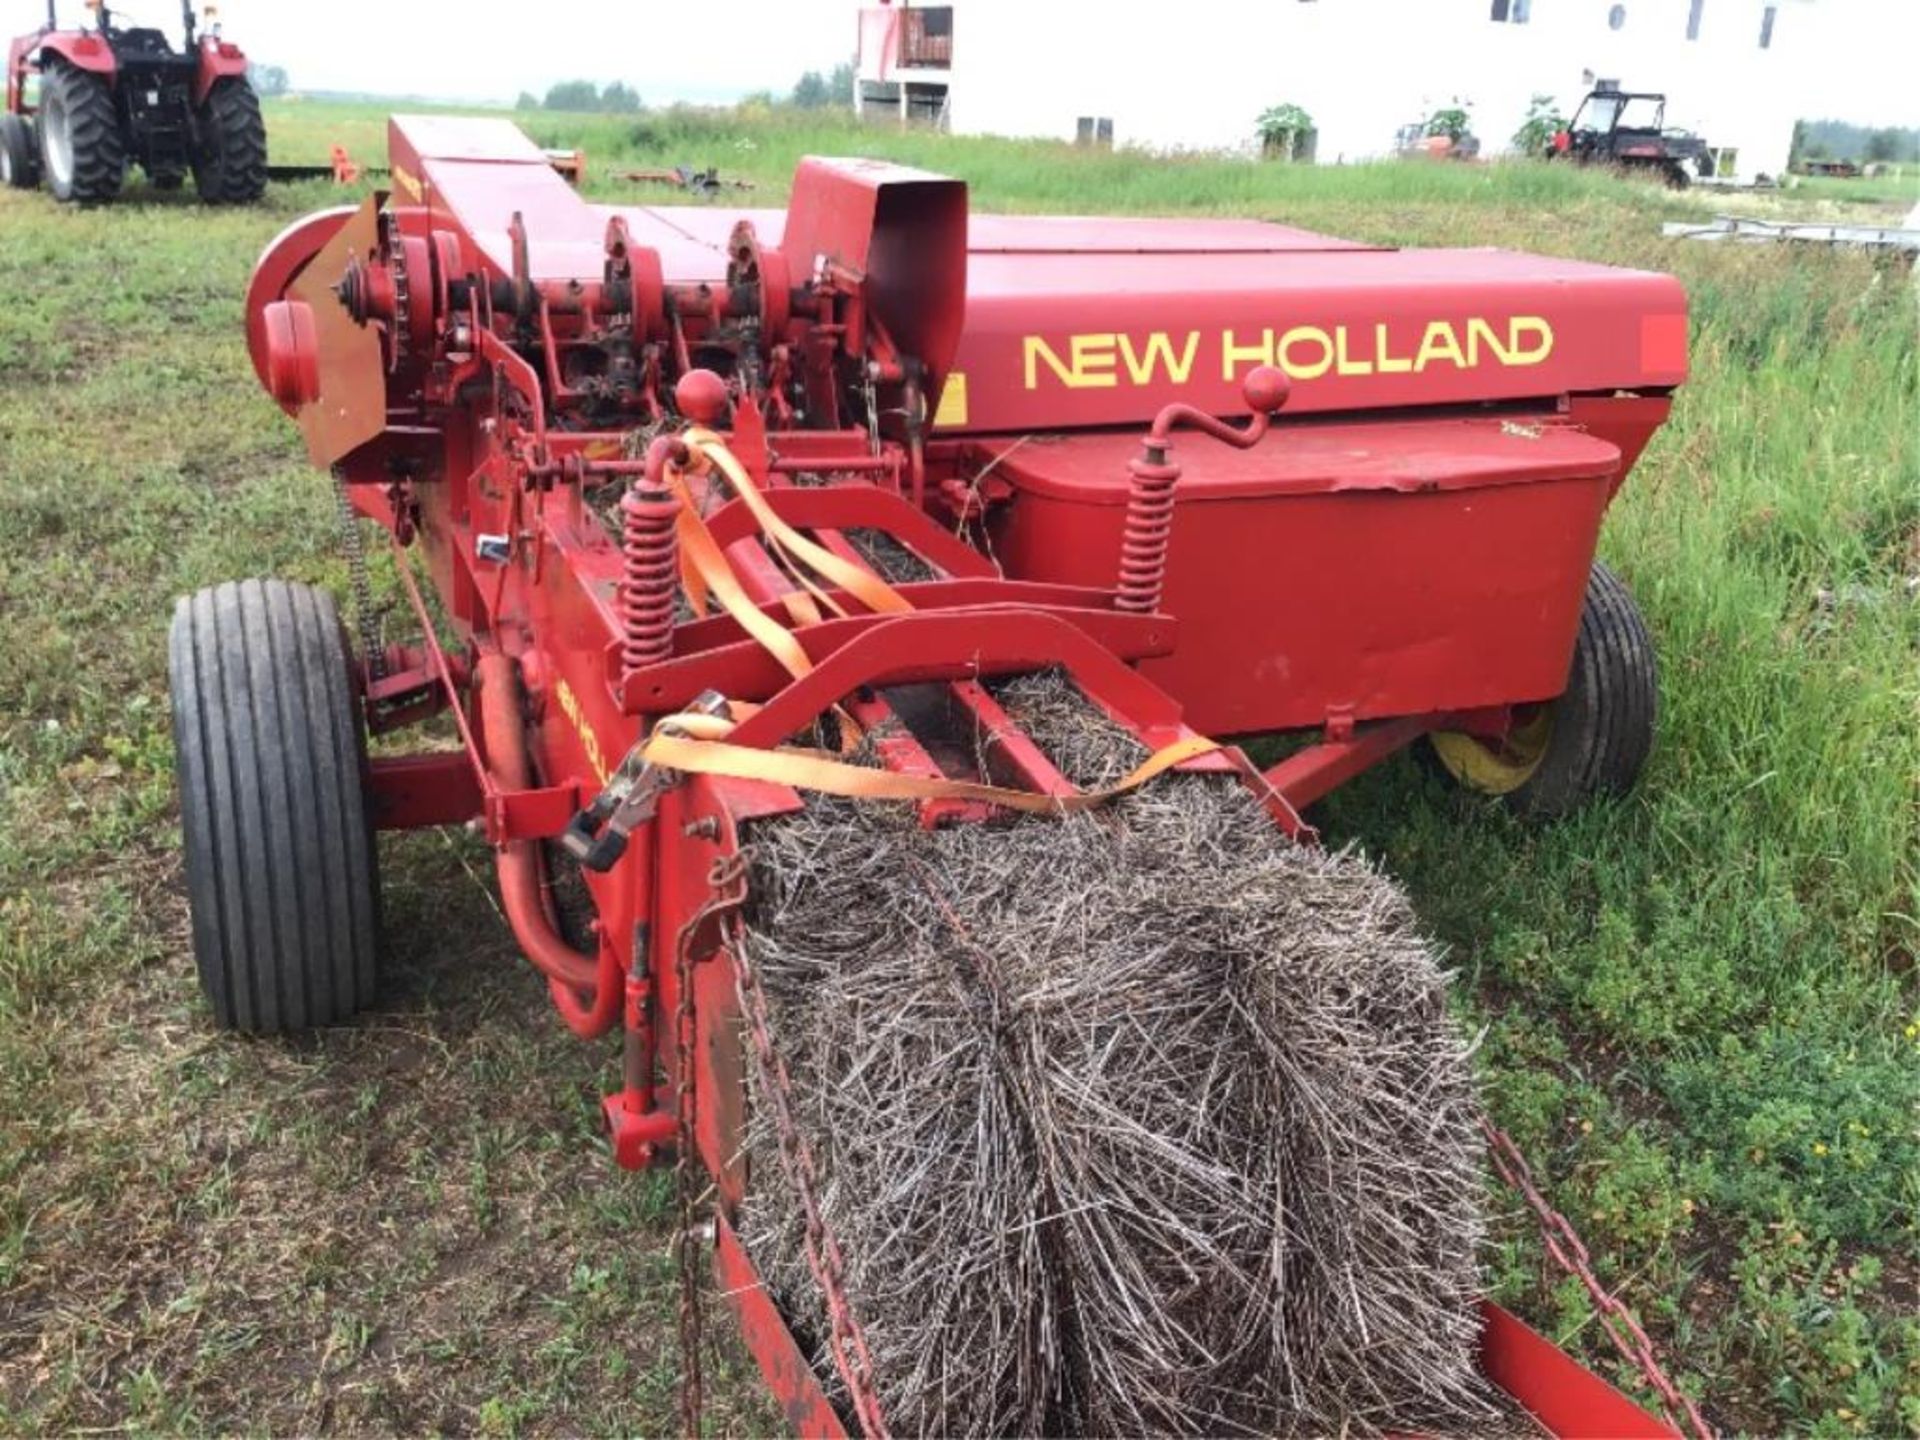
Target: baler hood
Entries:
(1079, 321)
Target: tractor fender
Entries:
(82, 51)
(218, 60)
(19, 55)
(278, 267)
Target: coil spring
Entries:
(649, 576)
(1149, 525)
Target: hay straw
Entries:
(1147, 1120)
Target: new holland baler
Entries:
(727, 514)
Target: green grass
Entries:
(1902, 190)
(1700, 1004)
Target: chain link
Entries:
(1565, 1248)
(365, 624)
(686, 1186)
(851, 1357)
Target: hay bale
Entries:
(1146, 1120)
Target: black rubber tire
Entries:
(76, 110)
(280, 856)
(19, 152)
(1603, 723)
(230, 145)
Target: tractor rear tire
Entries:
(1591, 741)
(230, 145)
(81, 150)
(280, 856)
(19, 152)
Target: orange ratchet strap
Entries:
(697, 744)
(809, 770)
(705, 571)
(865, 586)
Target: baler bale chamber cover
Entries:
(697, 482)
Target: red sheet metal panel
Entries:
(1141, 235)
(1304, 459)
(1570, 1402)
(1356, 571)
(1066, 340)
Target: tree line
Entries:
(813, 91)
(1840, 140)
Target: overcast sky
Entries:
(1865, 67)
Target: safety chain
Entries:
(1565, 1249)
(686, 1186)
(358, 582)
(850, 1354)
(727, 879)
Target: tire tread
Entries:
(1605, 719)
(22, 147)
(230, 148)
(99, 150)
(279, 852)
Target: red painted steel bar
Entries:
(1307, 775)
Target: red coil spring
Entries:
(649, 576)
(1143, 546)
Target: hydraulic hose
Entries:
(587, 989)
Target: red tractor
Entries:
(116, 95)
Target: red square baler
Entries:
(725, 513)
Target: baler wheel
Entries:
(19, 152)
(81, 149)
(230, 145)
(272, 764)
(1592, 740)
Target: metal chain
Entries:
(358, 582)
(1565, 1249)
(851, 1357)
(686, 1187)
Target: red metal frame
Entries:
(1567, 1401)
(473, 350)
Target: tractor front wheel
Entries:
(1592, 740)
(81, 149)
(230, 145)
(19, 157)
(272, 767)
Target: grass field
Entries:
(1701, 1007)
(1901, 190)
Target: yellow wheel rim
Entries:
(1497, 767)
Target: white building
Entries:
(1197, 74)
